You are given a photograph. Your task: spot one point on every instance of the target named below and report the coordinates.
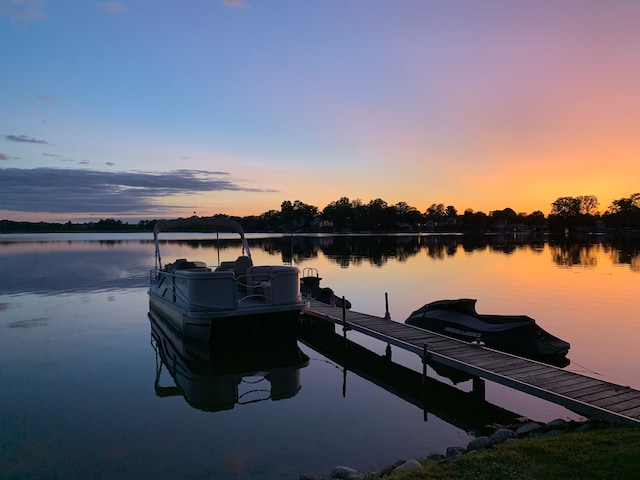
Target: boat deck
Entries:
(582, 394)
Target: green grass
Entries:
(608, 453)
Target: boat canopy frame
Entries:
(198, 224)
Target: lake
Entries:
(86, 394)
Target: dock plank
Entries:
(622, 401)
(602, 395)
(631, 413)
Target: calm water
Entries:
(85, 394)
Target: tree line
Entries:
(345, 215)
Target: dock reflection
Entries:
(218, 377)
(468, 411)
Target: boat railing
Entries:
(201, 287)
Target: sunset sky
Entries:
(143, 109)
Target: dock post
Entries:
(478, 389)
(387, 316)
(344, 320)
(387, 352)
(425, 354)
(344, 380)
(424, 362)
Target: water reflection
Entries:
(219, 378)
(570, 254)
(468, 411)
(52, 267)
(377, 250)
(73, 266)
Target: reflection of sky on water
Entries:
(52, 268)
(33, 265)
(78, 367)
(79, 401)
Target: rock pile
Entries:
(501, 434)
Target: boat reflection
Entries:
(215, 378)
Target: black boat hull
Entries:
(519, 335)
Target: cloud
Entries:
(24, 139)
(55, 155)
(27, 10)
(46, 98)
(60, 190)
(109, 164)
(4, 156)
(113, 7)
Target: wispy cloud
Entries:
(23, 139)
(4, 156)
(113, 7)
(59, 190)
(46, 98)
(25, 10)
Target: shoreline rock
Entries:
(501, 434)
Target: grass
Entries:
(607, 453)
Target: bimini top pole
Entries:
(158, 259)
(201, 224)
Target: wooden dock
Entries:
(584, 395)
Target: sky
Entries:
(140, 109)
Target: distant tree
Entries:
(630, 204)
(436, 213)
(359, 215)
(377, 214)
(535, 219)
(473, 221)
(407, 214)
(297, 215)
(565, 207)
(270, 219)
(507, 214)
(570, 212)
(624, 212)
(574, 206)
(109, 225)
(588, 204)
(339, 213)
(451, 212)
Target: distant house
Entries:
(499, 225)
(430, 225)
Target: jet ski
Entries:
(516, 334)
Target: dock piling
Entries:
(344, 320)
(387, 316)
(424, 362)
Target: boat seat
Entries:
(184, 264)
(278, 284)
(226, 267)
(241, 265)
